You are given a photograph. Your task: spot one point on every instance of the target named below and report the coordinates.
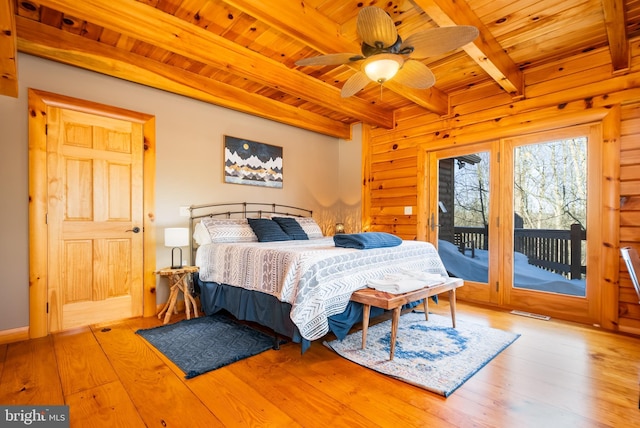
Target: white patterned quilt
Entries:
(314, 276)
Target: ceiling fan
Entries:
(385, 55)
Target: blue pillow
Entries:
(267, 230)
(291, 227)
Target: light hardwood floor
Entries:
(556, 374)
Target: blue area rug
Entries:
(200, 345)
(429, 354)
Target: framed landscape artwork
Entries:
(253, 163)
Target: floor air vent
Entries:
(530, 315)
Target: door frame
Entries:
(38, 200)
(609, 117)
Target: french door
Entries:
(515, 218)
(462, 219)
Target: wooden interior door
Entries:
(94, 218)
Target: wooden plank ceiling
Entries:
(241, 54)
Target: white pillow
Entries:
(310, 227)
(229, 230)
(201, 234)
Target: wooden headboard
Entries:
(238, 210)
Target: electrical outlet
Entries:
(185, 212)
(408, 210)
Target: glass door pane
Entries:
(550, 216)
(463, 210)
(461, 203)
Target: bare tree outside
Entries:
(472, 192)
(549, 186)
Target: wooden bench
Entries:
(380, 299)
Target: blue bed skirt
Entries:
(268, 311)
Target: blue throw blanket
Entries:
(365, 241)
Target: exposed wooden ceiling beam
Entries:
(315, 30)
(298, 21)
(8, 50)
(433, 99)
(485, 50)
(614, 20)
(62, 46)
(151, 25)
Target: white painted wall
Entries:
(350, 153)
(319, 171)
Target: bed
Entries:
(299, 288)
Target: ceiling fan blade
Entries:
(375, 25)
(354, 84)
(415, 75)
(330, 59)
(436, 41)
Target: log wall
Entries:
(628, 307)
(578, 90)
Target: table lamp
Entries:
(176, 237)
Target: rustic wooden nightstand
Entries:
(178, 282)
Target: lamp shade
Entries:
(176, 237)
(382, 67)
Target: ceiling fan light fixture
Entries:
(383, 67)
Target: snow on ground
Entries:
(525, 276)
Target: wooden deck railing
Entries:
(558, 251)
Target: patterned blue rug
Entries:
(429, 354)
(203, 344)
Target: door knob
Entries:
(433, 222)
(134, 230)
